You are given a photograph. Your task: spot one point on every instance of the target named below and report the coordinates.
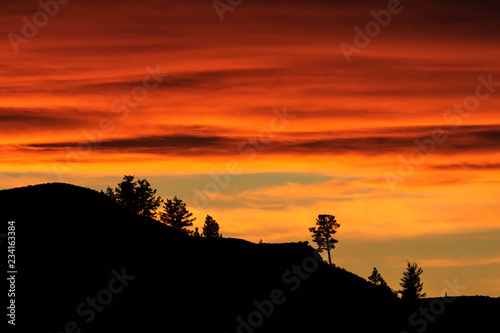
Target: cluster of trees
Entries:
(411, 284)
(140, 198)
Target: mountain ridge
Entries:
(72, 241)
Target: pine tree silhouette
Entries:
(211, 228)
(176, 215)
(322, 235)
(411, 284)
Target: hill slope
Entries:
(85, 263)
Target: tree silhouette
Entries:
(147, 201)
(322, 235)
(411, 284)
(125, 194)
(176, 215)
(376, 278)
(136, 196)
(110, 193)
(211, 228)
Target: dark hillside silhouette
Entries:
(72, 241)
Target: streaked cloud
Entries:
(353, 122)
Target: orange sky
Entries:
(348, 124)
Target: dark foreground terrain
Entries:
(85, 264)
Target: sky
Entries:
(265, 114)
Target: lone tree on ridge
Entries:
(326, 226)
